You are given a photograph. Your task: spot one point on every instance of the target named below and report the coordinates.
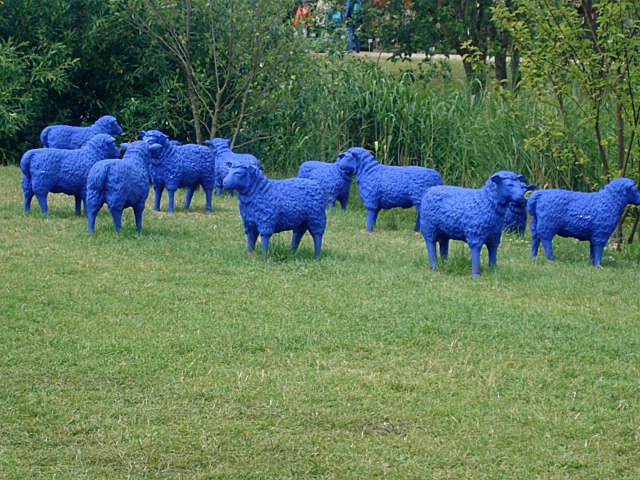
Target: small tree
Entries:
(581, 58)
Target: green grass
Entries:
(173, 354)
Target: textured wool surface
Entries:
(54, 170)
(333, 177)
(515, 220)
(586, 216)
(472, 215)
(179, 166)
(69, 138)
(271, 206)
(384, 187)
(120, 183)
(224, 157)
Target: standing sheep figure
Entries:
(585, 216)
(272, 206)
(120, 184)
(178, 166)
(224, 156)
(56, 170)
(472, 215)
(383, 187)
(71, 138)
(515, 220)
(334, 177)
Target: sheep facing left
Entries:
(271, 206)
(120, 183)
(53, 170)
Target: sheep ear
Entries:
(142, 133)
(496, 179)
(522, 179)
(531, 187)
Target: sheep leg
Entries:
(596, 254)
(475, 260)
(372, 215)
(343, 203)
(535, 244)
(116, 214)
(416, 227)
(42, 201)
(548, 249)
(158, 196)
(208, 193)
(252, 237)
(431, 250)
(28, 193)
(218, 190)
(171, 195)
(317, 243)
(265, 244)
(492, 249)
(444, 248)
(91, 221)
(137, 213)
(331, 204)
(187, 199)
(298, 233)
(78, 200)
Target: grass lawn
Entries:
(174, 354)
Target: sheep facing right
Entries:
(68, 137)
(472, 215)
(334, 177)
(54, 170)
(120, 183)
(271, 206)
(586, 216)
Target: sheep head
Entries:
(105, 143)
(241, 175)
(510, 187)
(346, 163)
(109, 124)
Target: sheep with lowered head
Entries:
(472, 215)
(272, 206)
(384, 187)
(586, 216)
(120, 183)
(69, 138)
(178, 166)
(224, 156)
(515, 220)
(55, 170)
(334, 177)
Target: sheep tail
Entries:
(25, 164)
(531, 204)
(98, 182)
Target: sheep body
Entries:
(335, 178)
(271, 206)
(178, 166)
(585, 216)
(54, 170)
(68, 137)
(515, 220)
(224, 156)
(120, 183)
(472, 215)
(384, 187)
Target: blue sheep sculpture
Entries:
(334, 177)
(224, 156)
(384, 187)
(586, 216)
(179, 166)
(271, 206)
(71, 138)
(515, 220)
(56, 170)
(472, 215)
(120, 183)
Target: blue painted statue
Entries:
(272, 206)
(334, 177)
(586, 216)
(71, 138)
(472, 215)
(224, 156)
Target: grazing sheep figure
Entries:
(224, 156)
(71, 138)
(383, 187)
(472, 215)
(335, 177)
(272, 206)
(585, 216)
(515, 219)
(177, 166)
(55, 170)
(120, 184)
